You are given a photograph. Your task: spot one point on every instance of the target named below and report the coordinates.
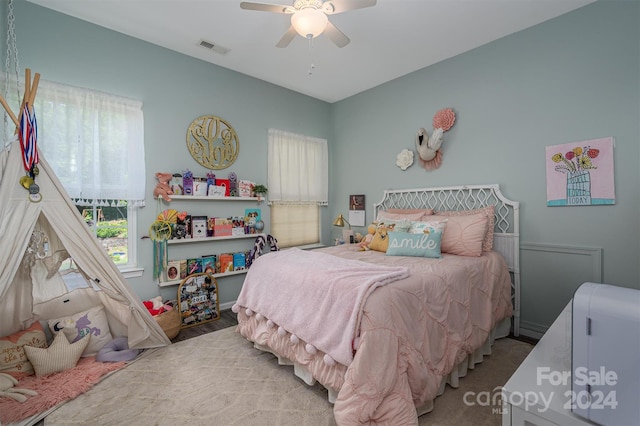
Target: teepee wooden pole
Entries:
(25, 95)
(34, 89)
(29, 95)
(28, 98)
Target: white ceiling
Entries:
(389, 40)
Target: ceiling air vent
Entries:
(215, 47)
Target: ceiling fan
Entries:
(309, 17)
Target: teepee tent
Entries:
(35, 238)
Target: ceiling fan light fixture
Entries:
(309, 22)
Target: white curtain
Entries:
(94, 142)
(298, 169)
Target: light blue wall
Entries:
(175, 89)
(573, 78)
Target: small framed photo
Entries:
(356, 202)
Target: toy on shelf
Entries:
(163, 189)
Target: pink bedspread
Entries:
(412, 333)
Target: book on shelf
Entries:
(173, 270)
(226, 184)
(194, 266)
(237, 223)
(200, 186)
(222, 227)
(198, 226)
(239, 261)
(211, 224)
(245, 187)
(226, 263)
(183, 268)
(251, 216)
(209, 263)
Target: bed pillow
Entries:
(60, 356)
(386, 215)
(76, 326)
(463, 235)
(425, 244)
(425, 212)
(420, 227)
(401, 225)
(13, 359)
(489, 211)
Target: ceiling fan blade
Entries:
(287, 37)
(336, 36)
(264, 7)
(338, 6)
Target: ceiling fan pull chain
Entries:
(312, 66)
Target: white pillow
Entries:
(60, 356)
(93, 322)
(420, 227)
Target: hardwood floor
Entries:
(227, 319)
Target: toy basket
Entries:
(170, 322)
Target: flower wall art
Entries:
(580, 173)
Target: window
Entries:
(295, 225)
(298, 186)
(94, 142)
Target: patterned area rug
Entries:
(219, 378)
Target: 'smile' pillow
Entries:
(92, 322)
(60, 356)
(426, 244)
(13, 359)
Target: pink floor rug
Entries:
(55, 389)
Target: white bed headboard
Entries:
(467, 197)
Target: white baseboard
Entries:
(528, 332)
(227, 305)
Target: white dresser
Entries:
(537, 394)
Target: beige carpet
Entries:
(219, 379)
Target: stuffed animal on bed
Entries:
(366, 240)
(163, 189)
(7, 383)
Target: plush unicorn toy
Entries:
(7, 383)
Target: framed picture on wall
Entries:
(356, 210)
(580, 173)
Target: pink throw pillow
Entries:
(463, 235)
(386, 215)
(425, 212)
(13, 359)
(487, 244)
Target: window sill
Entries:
(131, 271)
(310, 246)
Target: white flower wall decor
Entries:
(404, 160)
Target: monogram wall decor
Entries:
(212, 142)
